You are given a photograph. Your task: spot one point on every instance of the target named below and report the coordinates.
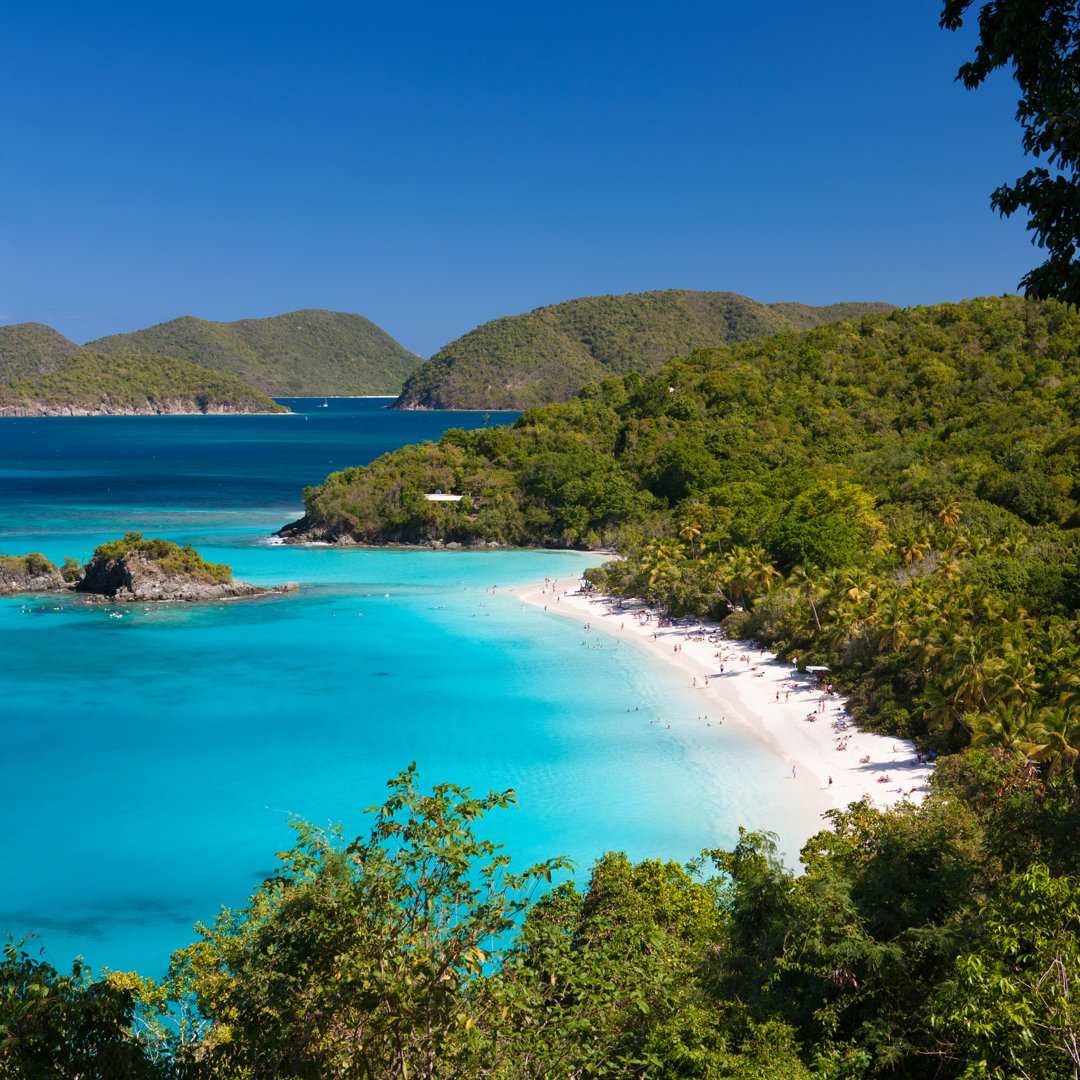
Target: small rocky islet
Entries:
(130, 568)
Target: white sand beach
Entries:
(831, 762)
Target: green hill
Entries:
(91, 383)
(978, 400)
(302, 353)
(548, 354)
(28, 349)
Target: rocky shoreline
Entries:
(14, 581)
(305, 531)
(134, 578)
(165, 407)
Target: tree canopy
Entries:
(929, 943)
(545, 355)
(1040, 40)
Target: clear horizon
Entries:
(431, 169)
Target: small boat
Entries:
(325, 404)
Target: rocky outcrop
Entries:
(134, 577)
(15, 579)
(131, 568)
(309, 531)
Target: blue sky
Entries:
(433, 166)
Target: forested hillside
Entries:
(548, 354)
(90, 383)
(28, 349)
(302, 353)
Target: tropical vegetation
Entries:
(896, 497)
(548, 354)
(94, 383)
(1039, 42)
(31, 349)
(170, 558)
(935, 942)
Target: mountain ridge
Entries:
(547, 354)
(301, 353)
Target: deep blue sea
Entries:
(150, 763)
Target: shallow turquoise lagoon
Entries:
(151, 762)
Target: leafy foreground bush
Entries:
(933, 942)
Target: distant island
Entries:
(547, 355)
(130, 568)
(301, 354)
(91, 384)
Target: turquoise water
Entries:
(150, 762)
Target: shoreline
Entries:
(745, 686)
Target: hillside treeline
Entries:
(548, 354)
(301, 353)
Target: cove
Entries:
(152, 761)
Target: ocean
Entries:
(151, 763)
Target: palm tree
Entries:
(970, 672)
(914, 552)
(894, 623)
(959, 546)
(949, 512)
(948, 570)
(1014, 677)
(660, 560)
(807, 577)
(740, 575)
(1012, 544)
(690, 532)
(1007, 726)
(940, 708)
(764, 572)
(1057, 732)
(1069, 688)
(859, 588)
(1015, 614)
